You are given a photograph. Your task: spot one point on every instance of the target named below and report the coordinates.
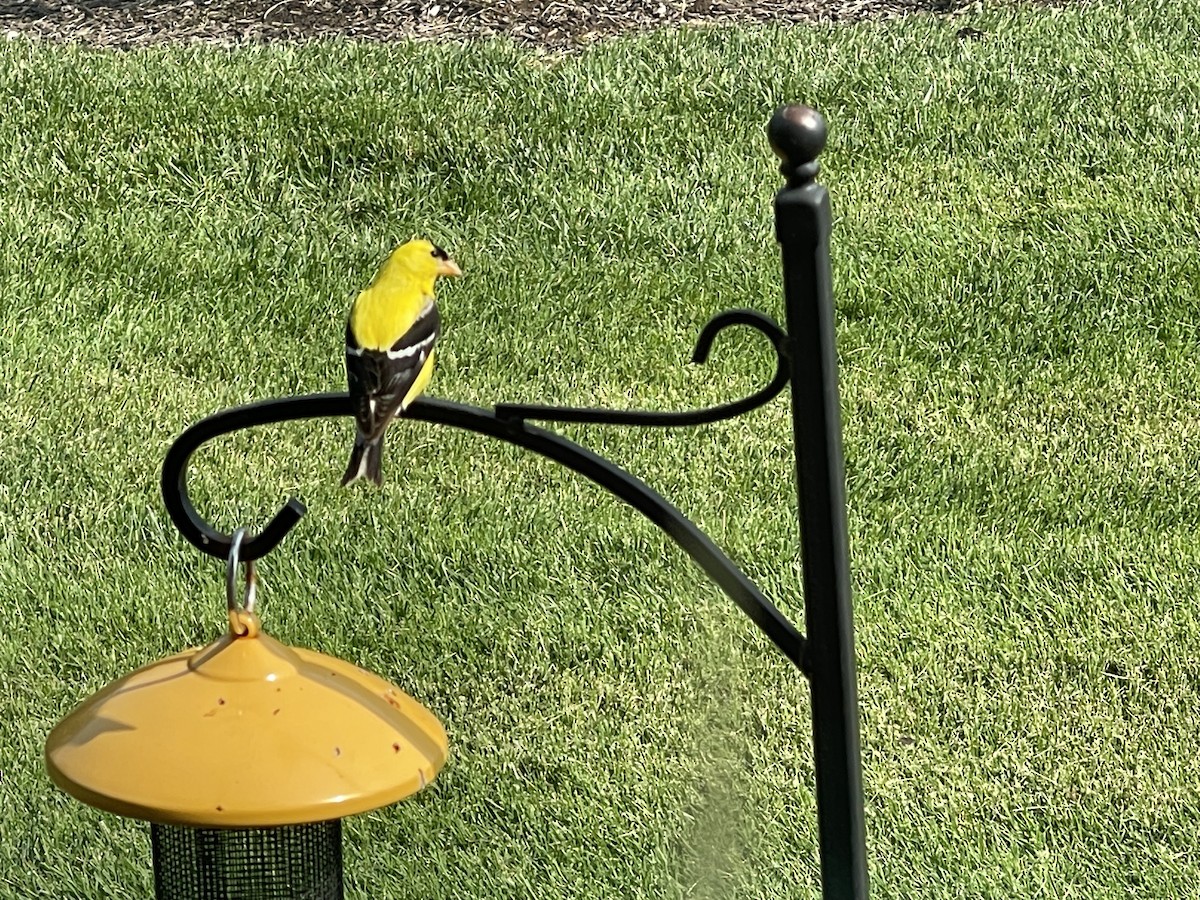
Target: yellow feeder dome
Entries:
(246, 732)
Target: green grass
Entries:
(1014, 254)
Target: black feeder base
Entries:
(291, 862)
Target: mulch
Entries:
(548, 24)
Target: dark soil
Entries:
(551, 24)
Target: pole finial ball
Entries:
(797, 135)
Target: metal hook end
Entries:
(200, 533)
(240, 615)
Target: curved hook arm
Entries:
(718, 323)
(174, 473)
(206, 538)
(616, 480)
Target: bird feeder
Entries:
(244, 756)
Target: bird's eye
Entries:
(439, 253)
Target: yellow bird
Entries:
(390, 335)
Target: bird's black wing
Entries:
(379, 380)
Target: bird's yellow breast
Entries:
(386, 310)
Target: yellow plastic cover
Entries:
(246, 732)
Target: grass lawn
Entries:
(1016, 276)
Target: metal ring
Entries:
(231, 567)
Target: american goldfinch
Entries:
(390, 334)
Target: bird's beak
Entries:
(448, 267)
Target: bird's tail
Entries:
(366, 460)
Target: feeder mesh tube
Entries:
(291, 862)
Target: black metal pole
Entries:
(802, 225)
